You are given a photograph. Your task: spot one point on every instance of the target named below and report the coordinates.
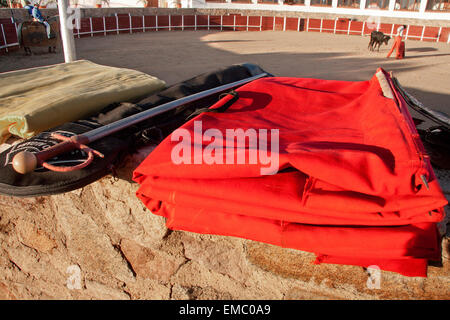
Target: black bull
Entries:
(377, 38)
(33, 34)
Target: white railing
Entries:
(217, 22)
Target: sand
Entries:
(177, 55)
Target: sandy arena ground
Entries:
(178, 55)
(121, 251)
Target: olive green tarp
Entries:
(34, 100)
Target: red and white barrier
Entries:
(126, 23)
(8, 35)
(347, 26)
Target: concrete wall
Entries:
(21, 14)
(333, 9)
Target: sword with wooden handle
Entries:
(26, 161)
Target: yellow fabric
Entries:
(38, 99)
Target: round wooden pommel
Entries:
(24, 162)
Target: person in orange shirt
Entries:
(398, 45)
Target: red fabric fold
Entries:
(348, 185)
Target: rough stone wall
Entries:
(120, 250)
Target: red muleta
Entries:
(353, 185)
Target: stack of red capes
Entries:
(331, 167)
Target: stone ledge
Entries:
(125, 252)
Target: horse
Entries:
(33, 34)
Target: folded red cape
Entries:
(352, 182)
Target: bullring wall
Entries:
(102, 22)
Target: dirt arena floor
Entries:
(177, 55)
(103, 236)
